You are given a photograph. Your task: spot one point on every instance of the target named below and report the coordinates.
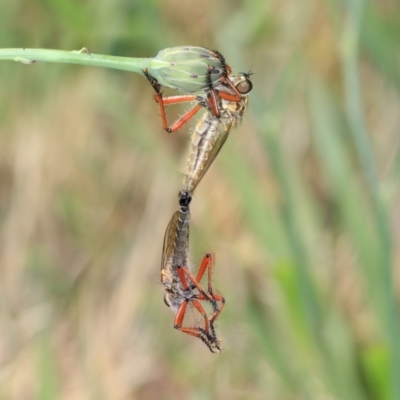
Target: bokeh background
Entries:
(301, 207)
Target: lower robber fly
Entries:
(183, 288)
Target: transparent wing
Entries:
(176, 240)
(170, 240)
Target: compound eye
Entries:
(244, 87)
(166, 301)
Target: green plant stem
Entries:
(81, 57)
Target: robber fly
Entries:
(224, 106)
(211, 132)
(182, 288)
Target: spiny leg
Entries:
(203, 334)
(207, 263)
(226, 71)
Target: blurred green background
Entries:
(301, 207)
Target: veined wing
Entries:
(169, 242)
(176, 241)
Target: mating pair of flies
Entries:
(224, 105)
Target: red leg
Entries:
(207, 263)
(209, 339)
(213, 103)
(181, 273)
(180, 315)
(218, 310)
(228, 96)
(162, 102)
(237, 96)
(204, 296)
(166, 101)
(183, 119)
